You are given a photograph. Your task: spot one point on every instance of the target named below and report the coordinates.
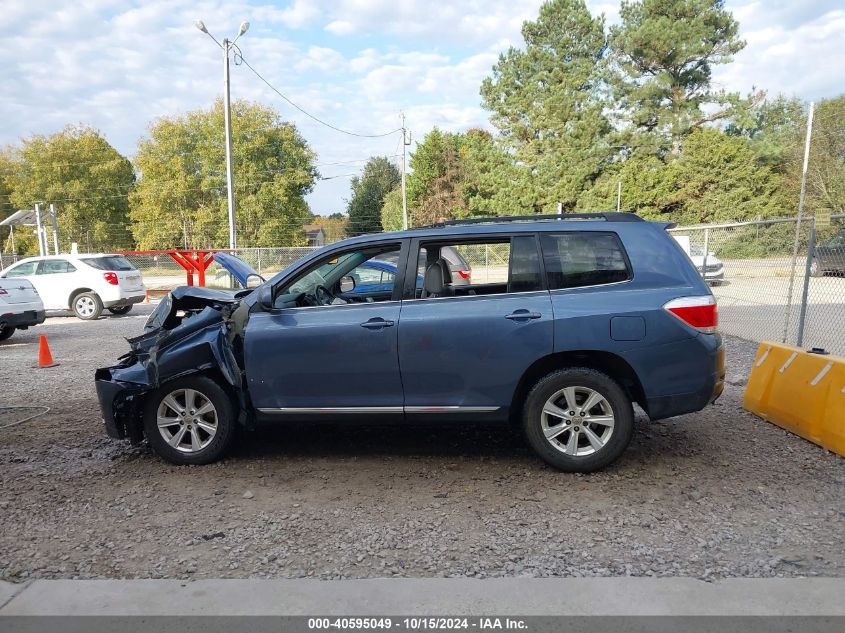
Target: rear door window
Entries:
(109, 262)
(499, 265)
(575, 260)
(55, 266)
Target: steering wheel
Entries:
(323, 296)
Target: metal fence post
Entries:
(811, 249)
(706, 252)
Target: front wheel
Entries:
(578, 420)
(87, 306)
(120, 309)
(6, 332)
(189, 421)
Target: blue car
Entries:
(566, 321)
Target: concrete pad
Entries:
(430, 596)
(9, 590)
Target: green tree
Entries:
(391, 211)
(379, 177)
(716, 179)
(436, 183)
(547, 101)
(180, 199)
(84, 176)
(664, 52)
(494, 183)
(774, 128)
(826, 168)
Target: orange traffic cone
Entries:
(45, 358)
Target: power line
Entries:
(308, 114)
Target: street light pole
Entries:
(227, 46)
(227, 115)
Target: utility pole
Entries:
(39, 229)
(406, 140)
(798, 221)
(55, 229)
(227, 115)
(227, 46)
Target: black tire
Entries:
(226, 421)
(87, 306)
(551, 451)
(120, 309)
(6, 332)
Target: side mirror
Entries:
(347, 284)
(254, 280)
(265, 297)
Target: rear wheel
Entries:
(6, 332)
(87, 306)
(578, 420)
(120, 309)
(189, 421)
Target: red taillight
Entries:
(111, 278)
(702, 313)
(465, 274)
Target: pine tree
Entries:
(547, 102)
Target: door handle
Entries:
(377, 323)
(523, 315)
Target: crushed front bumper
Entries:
(121, 404)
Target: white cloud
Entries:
(798, 59)
(119, 64)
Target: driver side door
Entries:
(327, 359)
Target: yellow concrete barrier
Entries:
(801, 392)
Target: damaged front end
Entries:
(192, 331)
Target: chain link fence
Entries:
(161, 272)
(777, 280)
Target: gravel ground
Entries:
(714, 494)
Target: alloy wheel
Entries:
(577, 421)
(187, 420)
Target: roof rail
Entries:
(614, 216)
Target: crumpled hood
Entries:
(188, 299)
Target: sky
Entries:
(117, 65)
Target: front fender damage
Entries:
(189, 333)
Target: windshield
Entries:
(320, 275)
(108, 262)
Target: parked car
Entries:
(713, 270)
(829, 257)
(84, 284)
(20, 306)
(594, 315)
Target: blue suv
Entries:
(565, 323)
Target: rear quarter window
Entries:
(110, 262)
(574, 260)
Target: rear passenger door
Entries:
(463, 350)
(54, 282)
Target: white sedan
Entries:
(82, 283)
(20, 306)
